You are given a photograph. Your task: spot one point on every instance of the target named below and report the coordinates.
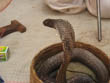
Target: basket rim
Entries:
(106, 62)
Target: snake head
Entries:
(49, 22)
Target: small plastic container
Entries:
(4, 53)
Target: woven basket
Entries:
(53, 49)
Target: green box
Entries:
(4, 53)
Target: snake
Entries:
(58, 64)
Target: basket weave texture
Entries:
(53, 49)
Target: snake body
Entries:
(61, 60)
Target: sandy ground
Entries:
(23, 47)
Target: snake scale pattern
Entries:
(53, 70)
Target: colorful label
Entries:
(3, 48)
(3, 53)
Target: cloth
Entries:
(67, 6)
(4, 4)
(1, 80)
(76, 6)
(105, 7)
